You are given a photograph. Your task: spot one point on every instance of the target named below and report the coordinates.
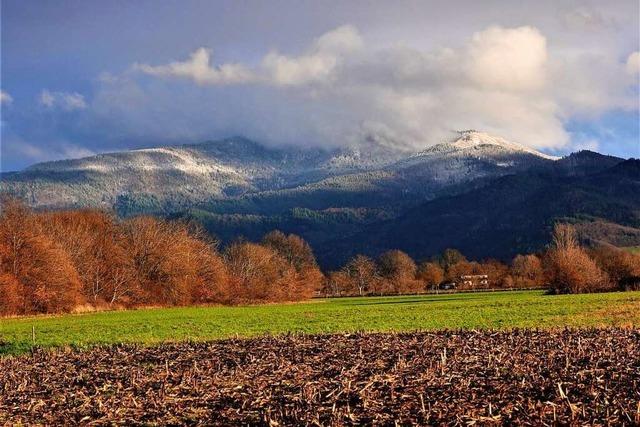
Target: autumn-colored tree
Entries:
(497, 273)
(9, 285)
(622, 267)
(449, 258)
(293, 248)
(170, 263)
(398, 273)
(298, 253)
(95, 242)
(361, 274)
(259, 273)
(32, 267)
(508, 281)
(568, 268)
(9, 294)
(210, 278)
(462, 268)
(338, 283)
(431, 274)
(564, 237)
(527, 271)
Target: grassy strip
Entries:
(523, 309)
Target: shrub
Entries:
(568, 267)
(623, 268)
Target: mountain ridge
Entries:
(356, 199)
(178, 175)
(509, 215)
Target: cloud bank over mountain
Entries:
(341, 90)
(349, 85)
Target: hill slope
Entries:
(512, 214)
(237, 175)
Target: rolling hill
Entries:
(514, 214)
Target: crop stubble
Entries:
(453, 377)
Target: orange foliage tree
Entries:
(171, 265)
(527, 271)
(431, 274)
(398, 273)
(38, 273)
(298, 253)
(568, 267)
(95, 242)
(622, 267)
(259, 273)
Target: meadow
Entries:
(486, 310)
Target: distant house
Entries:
(474, 280)
(468, 281)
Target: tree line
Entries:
(61, 261)
(564, 266)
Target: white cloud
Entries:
(5, 98)
(278, 69)
(509, 58)
(198, 68)
(67, 101)
(633, 63)
(318, 64)
(342, 90)
(33, 152)
(47, 99)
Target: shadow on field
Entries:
(418, 300)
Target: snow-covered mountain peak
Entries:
(471, 139)
(172, 177)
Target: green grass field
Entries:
(405, 313)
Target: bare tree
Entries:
(568, 267)
(361, 272)
(38, 271)
(527, 271)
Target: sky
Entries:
(83, 77)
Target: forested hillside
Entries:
(510, 215)
(477, 192)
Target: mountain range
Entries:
(487, 196)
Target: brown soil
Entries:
(519, 377)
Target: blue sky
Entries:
(83, 77)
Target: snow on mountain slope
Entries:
(470, 140)
(394, 183)
(472, 155)
(145, 160)
(172, 177)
